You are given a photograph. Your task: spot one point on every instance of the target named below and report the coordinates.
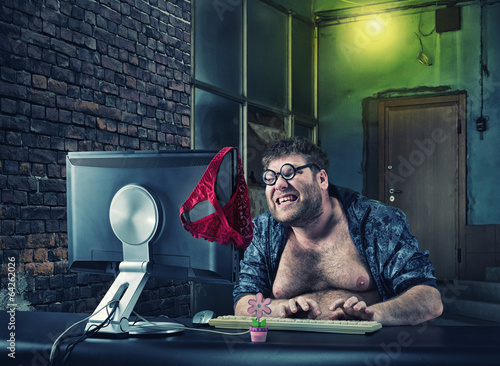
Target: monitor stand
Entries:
(134, 217)
(126, 290)
(156, 329)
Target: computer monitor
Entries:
(123, 217)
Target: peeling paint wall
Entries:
(356, 63)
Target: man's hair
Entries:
(296, 146)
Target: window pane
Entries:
(304, 131)
(216, 121)
(218, 44)
(302, 67)
(264, 127)
(267, 49)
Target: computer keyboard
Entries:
(304, 325)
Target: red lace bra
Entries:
(230, 224)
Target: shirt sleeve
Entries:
(402, 264)
(254, 267)
(410, 266)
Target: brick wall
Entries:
(82, 75)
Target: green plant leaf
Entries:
(255, 323)
(262, 323)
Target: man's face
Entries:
(295, 202)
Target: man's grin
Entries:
(286, 198)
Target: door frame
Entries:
(461, 170)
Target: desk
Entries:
(419, 345)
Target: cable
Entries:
(90, 332)
(483, 70)
(421, 56)
(182, 326)
(59, 339)
(420, 29)
(94, 329)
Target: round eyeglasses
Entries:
(287, 171)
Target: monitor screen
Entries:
(93, 180)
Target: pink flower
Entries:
(259, 306)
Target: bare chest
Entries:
(336, 264)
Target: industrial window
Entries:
(253, 79)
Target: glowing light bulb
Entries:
(375, 28)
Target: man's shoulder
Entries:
(264, 218)
(266, 221)
(379, 208)
(361, 207)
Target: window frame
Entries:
(291, 118)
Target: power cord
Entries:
(182, 326)
(421, 56)
(83, 336)
(94, 329)
(90, 332)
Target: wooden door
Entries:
(422, 171)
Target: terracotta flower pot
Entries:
(258, 334)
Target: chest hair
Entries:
(332, 264)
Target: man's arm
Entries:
(418, 304)
(282, 307)
(242, 306)
(312, 305)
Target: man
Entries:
(330, 253)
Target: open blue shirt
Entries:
(380, 233)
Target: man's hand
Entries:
(300, 304)
(418, 304)
(352, 308)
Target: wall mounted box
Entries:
(448, 19)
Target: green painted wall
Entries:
(357, 61)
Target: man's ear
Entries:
(323, 179)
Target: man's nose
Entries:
(281, 182)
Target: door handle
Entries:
(392, 191)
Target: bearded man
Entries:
(326, 252)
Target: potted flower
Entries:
(259, 306)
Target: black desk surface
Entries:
(418, 345)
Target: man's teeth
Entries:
(286, 199)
